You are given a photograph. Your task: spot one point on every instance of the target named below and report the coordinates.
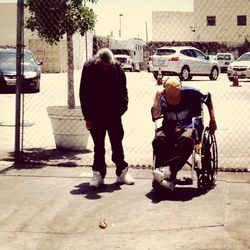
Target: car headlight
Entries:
(30, 74)
(229, 67)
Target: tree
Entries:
(52, 19)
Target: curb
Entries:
(32, 164)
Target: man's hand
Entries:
(212, 125)
(88, 124)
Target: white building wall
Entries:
(226, 29)
(172, 26)
(192, 26)
(83, 48)
(8, 20)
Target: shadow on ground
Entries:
(43, 156)
(94, 193)
(179, 194)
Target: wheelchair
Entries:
(204, 158)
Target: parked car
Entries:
(240, 67)
(126, 61)
(212, 56)
(224, 59)
(30, 82)
(185, 62)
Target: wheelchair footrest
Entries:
(184, 181)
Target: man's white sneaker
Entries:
(96, 180)
(167, 184)
(161, 174)
(125, 178)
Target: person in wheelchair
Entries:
(173, 143)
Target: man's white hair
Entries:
(105, 55)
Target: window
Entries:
(28, 58)
(7, 57)
(227, 57)
(199, 55)
(244, 57)
(188, 52)
(211, 20)
(241, 20)
(165, 52)
(220, 57)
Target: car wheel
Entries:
(214, 74)
(185, 74)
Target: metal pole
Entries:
(120, 25)
(86, 39)
(86, 45)
(19, 73)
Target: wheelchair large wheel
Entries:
(207, 174)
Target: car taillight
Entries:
(173, 59)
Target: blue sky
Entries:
(136, 14)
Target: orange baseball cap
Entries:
(172, 91)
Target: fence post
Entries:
(19, 74)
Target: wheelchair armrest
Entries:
(194, 119)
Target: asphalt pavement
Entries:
(52, 207)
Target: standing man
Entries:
(104, 99)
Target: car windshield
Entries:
(28, 58)
(244, 57)
(227, 57)
(164, 52)
(10, 57)
(220, 57)
(223, 57)
(7, 57)
(121, 59)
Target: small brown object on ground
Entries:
(103, 224)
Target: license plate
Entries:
(11, 82)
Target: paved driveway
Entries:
(231, 108)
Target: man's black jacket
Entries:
(103, 94)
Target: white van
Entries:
(126, 62)
(224, 59)
(132, 47)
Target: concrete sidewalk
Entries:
(53, 208)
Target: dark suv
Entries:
(30, 82)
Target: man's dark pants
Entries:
(115, 131)
(172, 150)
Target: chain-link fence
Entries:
(210, 26)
